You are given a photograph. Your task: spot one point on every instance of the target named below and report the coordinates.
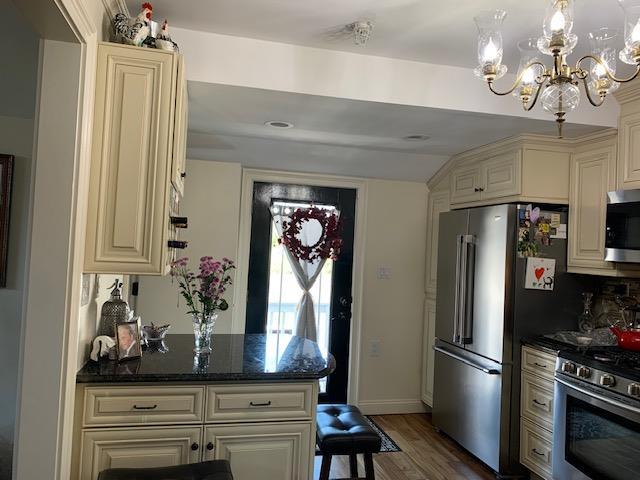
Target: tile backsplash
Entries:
(605, 309)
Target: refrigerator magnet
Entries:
(540, 274)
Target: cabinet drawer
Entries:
(537, 400)
(142, 405)
(535, 449)
(244, 403)
(538, 362)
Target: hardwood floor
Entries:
(426, 454)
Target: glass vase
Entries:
(202, 330)
(586, 320)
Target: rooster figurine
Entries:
(163, 40)
(134, 31)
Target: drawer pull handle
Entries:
(136, 407)
(539, 365)
(194, 446)
(535, 400)
(209, 446)
(265, 404)
(535, 450)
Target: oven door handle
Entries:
(602, 398)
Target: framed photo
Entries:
(128, 340)
(6, 174)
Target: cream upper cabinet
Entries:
(438, 203)
(179, 162)
(466, 184)
(428, 341)
(593, 174)
(138, 448)
(514, 170)
(629, 145)
(273, 450)
(132, 156)
(501, 175)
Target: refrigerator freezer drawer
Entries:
(467, 405)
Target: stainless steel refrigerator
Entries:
(482, 312)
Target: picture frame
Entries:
(128, 340)
(6, 179)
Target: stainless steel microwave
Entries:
(622, 242)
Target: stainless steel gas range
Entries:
(597, 415)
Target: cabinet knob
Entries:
(478, 189)
(183, 174)
(194, 446)
(209, 446)
(177, 244)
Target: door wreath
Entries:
(327, 246)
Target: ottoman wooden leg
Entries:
(353, 466)
(368, 467)
(326, 467)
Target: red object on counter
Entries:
(627, 339)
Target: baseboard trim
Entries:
(387, 407)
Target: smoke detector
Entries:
(361, 31)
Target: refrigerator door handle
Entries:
(466, 319)
(458, 294)
(466, 361)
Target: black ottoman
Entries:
(213, 470)
(343, 430)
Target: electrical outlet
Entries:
(384, 273)
(374, 348)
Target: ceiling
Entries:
(340, 136)
(433, 31)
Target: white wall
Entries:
(392, 310)
(19, 51)
(16, 138)
(212, 203)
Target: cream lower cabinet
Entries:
(428, 341)
(138, 447)
(536, 411)
(266, 430)
(275, 450)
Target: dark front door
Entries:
(273, 293)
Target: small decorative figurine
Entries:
(163, 40)
(134, 31)
(101, 346)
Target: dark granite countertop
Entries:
(547, 344)
(234, 358)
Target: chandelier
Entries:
(556, 86)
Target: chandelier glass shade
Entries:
(556, 85)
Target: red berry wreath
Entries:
(327, 246)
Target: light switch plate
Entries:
(86, 282)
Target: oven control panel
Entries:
(605, 380)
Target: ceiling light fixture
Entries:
(361, 31)
(556, 86)
(415, 138)
(278, 124)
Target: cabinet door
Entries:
(428, 341)
(501, 175)
(178, 165)
(592, 176)
(133, 135)
(465, 184)
(629, 152)
(266, 450)
(438, 203)
(137, 447)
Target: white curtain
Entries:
(306, 274)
